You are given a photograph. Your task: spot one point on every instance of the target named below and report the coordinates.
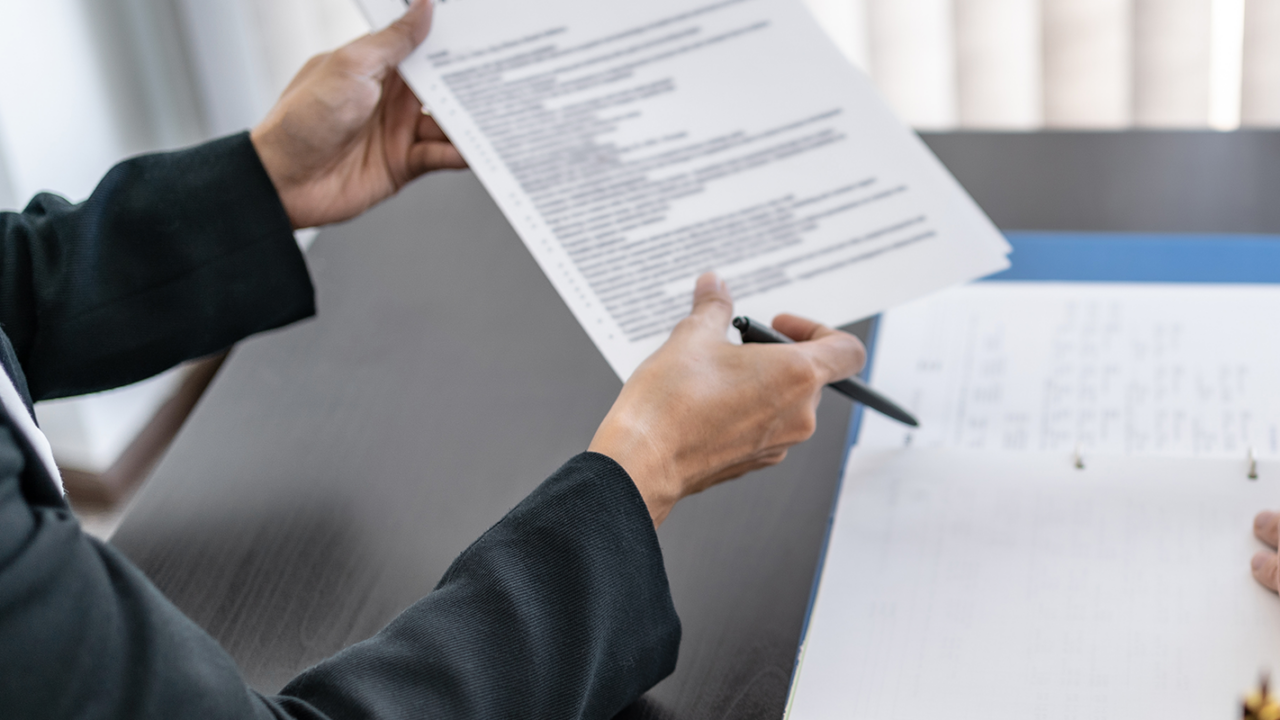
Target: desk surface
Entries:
(335, 468)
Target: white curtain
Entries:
(1171, 63)
(846, 22)
(1087, 60)
(913, 59)
(999, 64)
(1261, 82)
(1095, 64)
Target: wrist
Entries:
(273, 162)
(634, 448)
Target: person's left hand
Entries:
(1266, 566)
(348, 132)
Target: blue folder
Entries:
(1109, 257)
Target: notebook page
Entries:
(1011, 585)
(1143, 369)
(634, 146)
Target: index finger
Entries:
(838, 354)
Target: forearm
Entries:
(562, 610)
(174, 256)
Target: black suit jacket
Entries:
(560, 610)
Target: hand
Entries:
(702, 410)
(348, 132)
(1266, 570)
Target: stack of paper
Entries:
(634, 146)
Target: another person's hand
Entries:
(348, 132)
(1266, 568)
(702, 410)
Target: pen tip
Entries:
(741, 323)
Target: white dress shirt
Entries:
(21, 419)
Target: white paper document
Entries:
(634, 146)
(972, 584)
(1140, 369)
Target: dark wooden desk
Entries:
(335, 468)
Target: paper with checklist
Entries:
(1138, 369)
(634, 146)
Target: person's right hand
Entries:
(702, 410)
(1266, 568)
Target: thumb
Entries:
(392, 44)
(712, 304)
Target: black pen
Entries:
(754, 331)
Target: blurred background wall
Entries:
(89, 82)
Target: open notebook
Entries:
(973, 570)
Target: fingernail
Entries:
(1264, 519)
(1259, 560)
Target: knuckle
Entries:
(851, 354)
(314, 62)
(402, 28)
(719, 299)
(689, 324)
(401, 34)
(813, 377)
(800, 372)
(859, 354)
(808, 425)
(346, 58)
(714, 302)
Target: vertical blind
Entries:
(1068, 64)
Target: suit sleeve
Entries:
(562, 609)
(174, 256)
